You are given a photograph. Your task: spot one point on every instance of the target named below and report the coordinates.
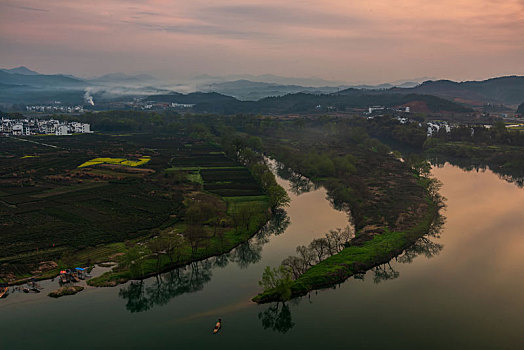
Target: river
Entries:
(461, 288)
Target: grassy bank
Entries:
(151, 263)
(357, 258)
(392, 203)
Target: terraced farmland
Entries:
(50, 207)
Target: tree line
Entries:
(280, 279)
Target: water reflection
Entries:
(384, 272)
(277, 317)
(142, 296)
(512, 173)
(425, 245)
(298, 184)
(157, 291)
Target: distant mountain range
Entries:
(35, 79)
(20, 70)
(213, 102)
(22, 85)
(253, 90)
(267, 78)
(116, 78)
(507, 90)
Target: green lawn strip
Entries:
(235, 203)
(355, 259)
(195, 177)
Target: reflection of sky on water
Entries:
(487, 214)
(469, 296)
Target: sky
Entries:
(354, 41)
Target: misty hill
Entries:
(20, 70)
(55, 80)
(204, 101)
(254, 90)
(306, 103)
(248, 90)
(122, 78)
(267, 78)
(521, 109)
(31, 88)
(503, 90)
(406, 84)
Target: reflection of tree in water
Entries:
(298, 184)
(384, 272)
(511, 174)
(422, 246)
(143, 295)
(277, 317)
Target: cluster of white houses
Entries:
(39, 126)
(56, 108)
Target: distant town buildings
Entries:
(182, 105)
(435, 126)
(55, 108)
(33, 126)
(373, 109)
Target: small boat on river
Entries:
(4, 290)
(218, 325)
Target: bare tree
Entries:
(173, 247)
(294, 264)
(332, 242)
(319, 246)
(195, 234)
(307, 256)
(347, 234)
(157, 246)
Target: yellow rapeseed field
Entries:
(118, 161)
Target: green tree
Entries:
(278, 197)
(277, 280)
(131, 260)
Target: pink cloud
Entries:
(366, 41)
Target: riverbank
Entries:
(357, 258)
(506, 160)
(200, 238)
(191, 202)
(450, 293)
(392, 203)
(153, 265)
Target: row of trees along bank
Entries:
(247, 152)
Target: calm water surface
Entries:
(468, 295)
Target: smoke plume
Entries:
(88, 98)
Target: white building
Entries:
(18, 129)
(375, 108)
(36, 126)
(62, 130)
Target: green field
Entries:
(133, 186)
